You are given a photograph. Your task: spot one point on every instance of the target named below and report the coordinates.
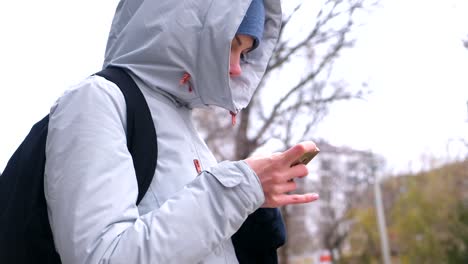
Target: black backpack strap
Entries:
(25, 234)
(141, 134)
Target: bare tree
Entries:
(300, 105)
(308, 47)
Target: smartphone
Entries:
(305, 158)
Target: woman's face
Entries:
(240, 45)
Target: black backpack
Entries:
(25, 234)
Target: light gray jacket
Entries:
(90, 182)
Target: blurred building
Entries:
(339, 175)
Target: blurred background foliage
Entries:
(427, 219)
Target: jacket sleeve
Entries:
(91, 189)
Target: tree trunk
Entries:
(244, 146)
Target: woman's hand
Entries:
(277, 175)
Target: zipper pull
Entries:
(233, 118)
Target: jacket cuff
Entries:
(239, 175)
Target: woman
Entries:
(182, 55)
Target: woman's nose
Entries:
(235, 68)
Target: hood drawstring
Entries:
(185, 79)
(233, 118)
(196, 162)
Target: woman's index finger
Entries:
(295, 152)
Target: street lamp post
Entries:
(381, 218)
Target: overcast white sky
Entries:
(410, 52)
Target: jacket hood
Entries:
(163, 42)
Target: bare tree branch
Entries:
(282, 45)
(311, 76)
(280, 58)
